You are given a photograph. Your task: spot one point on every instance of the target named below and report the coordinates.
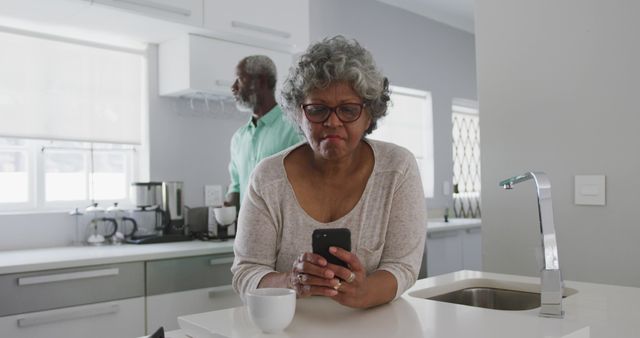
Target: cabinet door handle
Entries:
(60, 277)
(218, 261)
(442, 234)
(59, 316)
(157, 6)
(260, 29)
(214, 292)
(473, 230)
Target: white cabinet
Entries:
(182, 286)
(163, 310)
(283, 24)
(188, 12)
(195, 65)
(122, 318)
(454, 250)
(444, 252)
(93, 301)
(472, 249)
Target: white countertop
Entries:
(595, 311)
(436, 225)
(15, 261)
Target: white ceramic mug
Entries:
(225, 215)
(271, 309)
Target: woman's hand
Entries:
(311, 276)
(352, 290)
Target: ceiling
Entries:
(456, 13)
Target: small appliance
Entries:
(166, 199)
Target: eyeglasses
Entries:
(346, 112)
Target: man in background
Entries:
(266, 133)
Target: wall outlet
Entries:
(213, 195)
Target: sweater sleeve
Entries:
(407, 230)
(255, 246)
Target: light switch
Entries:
(590, 190)
(213, 195)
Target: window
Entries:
(71, 115)
(14, 172)
(466, 159)
(409, 123)
(50, 175)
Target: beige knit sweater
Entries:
(388, 224)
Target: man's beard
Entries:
(247, 105)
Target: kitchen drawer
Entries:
(43, 290)
(164, 310)
(172, 275)
(122, 318)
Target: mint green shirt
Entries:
(250, 144)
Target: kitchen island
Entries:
(596, 310)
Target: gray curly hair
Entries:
(336, 59)
(256, 65)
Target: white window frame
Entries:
(136, 162)
(36, 173)
(427, 162)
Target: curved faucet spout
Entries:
(551, 278)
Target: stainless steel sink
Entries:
(487, 293)
(491, 298)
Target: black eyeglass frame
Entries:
(333, 110)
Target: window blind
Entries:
(60, 90)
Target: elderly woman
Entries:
(337, 179)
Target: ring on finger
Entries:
(337, 286)
(300, 278)
(351, 277)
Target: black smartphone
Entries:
(322, 239)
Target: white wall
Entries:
(414, 52)
(188, 145)
(557, 82)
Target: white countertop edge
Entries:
(438, 225)
(19, 261)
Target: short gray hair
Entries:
(336, 59)
(256, 65)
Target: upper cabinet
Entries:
(276, 24)
(194, 65)
(184, 11)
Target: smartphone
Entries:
(322, 239)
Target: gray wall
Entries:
(414, 52)
(557, 82)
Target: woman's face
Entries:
(334, 139)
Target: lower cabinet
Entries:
(472, 249)
(101, 301)
(122, 318)
(114, 300)
(454, 250)
(163, 310)
(182, 286)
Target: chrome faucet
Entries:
(551, 287)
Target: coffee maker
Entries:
(173, 207)
(170, 207)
